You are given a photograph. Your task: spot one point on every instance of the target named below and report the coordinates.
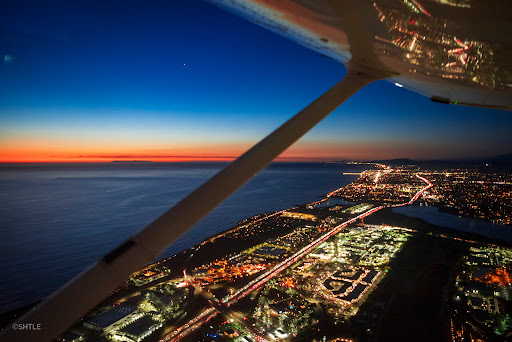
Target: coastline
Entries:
(213, 246)
(94, 207)
(220, 244)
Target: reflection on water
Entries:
(333, 201)
(465, 224)
(55, 220)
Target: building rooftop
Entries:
(112, 316)
(139, 327)
(369, 277)
(356, 292)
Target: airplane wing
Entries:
(452, 51)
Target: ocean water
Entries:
(57, 219)
(462, 223)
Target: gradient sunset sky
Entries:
(183, 80)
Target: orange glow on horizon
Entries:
(63, 157)
(204, 158)
(35, 156)
(32, 150)
(54, 151)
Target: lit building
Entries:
(112, 319)
(139, 329)
(301, 216)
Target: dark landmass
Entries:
(500, 163)
(131, 161)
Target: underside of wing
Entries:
(452, 51)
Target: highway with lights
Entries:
(257, 283)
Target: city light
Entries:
(324, 253)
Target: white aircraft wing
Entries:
(453, 51)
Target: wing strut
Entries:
(72, 301)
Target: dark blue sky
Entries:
(87, 80)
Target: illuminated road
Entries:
(255, 284)
(418, 194)
(193, 324)
(266, 276)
